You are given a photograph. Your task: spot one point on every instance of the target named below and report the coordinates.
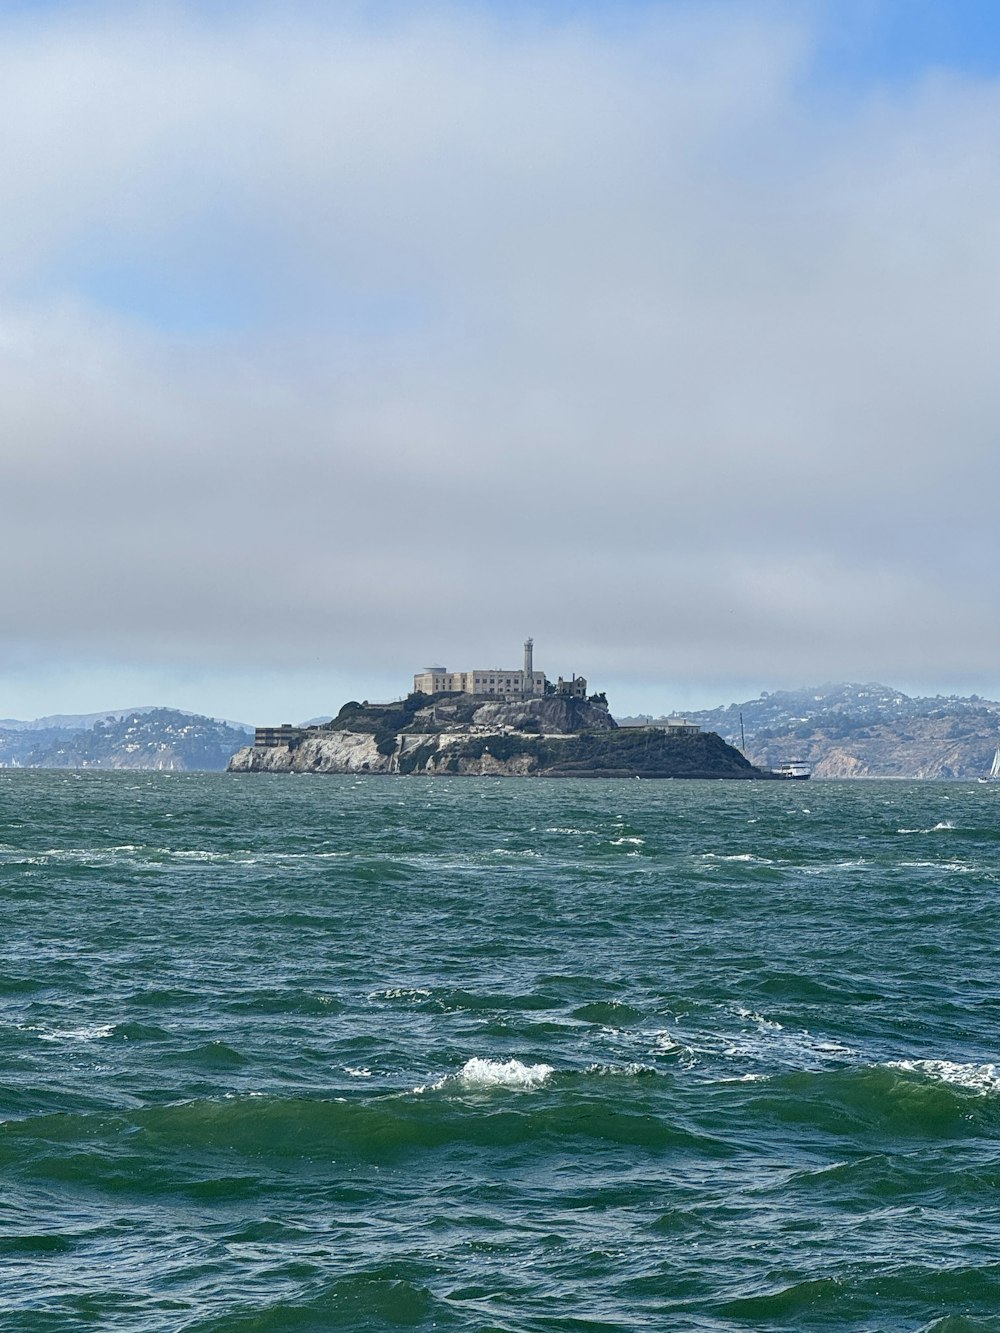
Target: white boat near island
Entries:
(994, 773)
(797, 770)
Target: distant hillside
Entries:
(17, 745)
(68, 721)
(160, 738)
(852, 730)
(18, 739)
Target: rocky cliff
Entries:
(553, 737)
(341, 752)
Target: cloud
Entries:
(375, 338)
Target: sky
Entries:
(337, 340)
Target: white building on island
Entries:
(510, 683)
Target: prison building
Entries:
(286, 734)
(507, 682)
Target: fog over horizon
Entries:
(333, 344)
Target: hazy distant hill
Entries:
(16, 745)
(18, 738)
(155, 738)
(852, 730)
(68, 721)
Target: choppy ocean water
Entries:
(327, 1053)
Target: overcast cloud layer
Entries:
(338, 346)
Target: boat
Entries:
(994, 773)
(797, 770)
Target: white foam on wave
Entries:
(503, 1073)
(747, 857)
(984, 1079)
(939, 827)
(856, 863)
(400, 993)
(480, 1073)
(667, 1043)
(89, 855)
(666, 1046)
(743, 1012)
(634, 1069)
(200, 854)
(765, 1039)
(758, 1046)
(798, 1050)
(959, 867)
(89, 1032)
(635, 842)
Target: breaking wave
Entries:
(479, 1073)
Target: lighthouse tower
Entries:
(529, 674)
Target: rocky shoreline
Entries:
(445, 736)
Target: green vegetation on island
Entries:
(463, 735)
(631, 753)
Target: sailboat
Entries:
(994, 773)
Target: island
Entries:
(493, 722)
